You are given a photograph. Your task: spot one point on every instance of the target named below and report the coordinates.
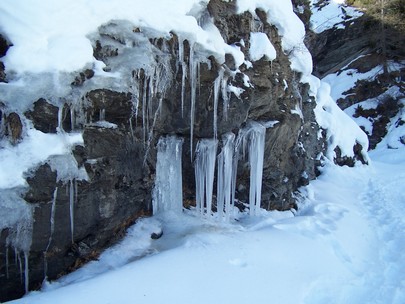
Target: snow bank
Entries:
(341, 130)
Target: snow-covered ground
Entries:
(345, 245)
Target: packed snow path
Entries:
(384, 202)
(346, 245)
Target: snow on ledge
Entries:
(260, 46)
(36, 147)
(341, 130)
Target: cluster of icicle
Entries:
(168, 184)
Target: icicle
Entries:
(252, 141)
(183, 73)
(193, 80)
(256, 155)
(168, 190)
(7, 263)
(52, 228)
(26, 271)
(204, 174)
(71, 207)
(60, 118)
(224, 177)
(150, 135)
(52, 219)
(144, 110)
(217, 85)
(72, 118)
(225, 96)
(102, 115)
(20, 265)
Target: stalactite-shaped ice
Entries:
(205, 156)
(217, 86)
(183, 73)
(102, 115)
(52, 219)
(225, 176)
(60, 118)
(150, 135)
(194, 68)
(7, 262)
(26, 271)
(168, 190)
(52, 229)
(71, 207)
(225, 96)
(251, 141)
(20, 266)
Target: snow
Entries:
(342, 246)
(289, 26)
(15, 161)
(260, 46)
(345, 80)
(341, 130)
(333, 13)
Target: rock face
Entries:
(76, 217)
(361, 47)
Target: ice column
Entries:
(168, 190)
(225, 176)
(204, 174)
(253, 141)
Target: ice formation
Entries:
(225, 177)
(168, 190)
(205, 156)
(251, 142)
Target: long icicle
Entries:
(52, 228)
(71, 208)
(26, 271)
(217, 86)
(225, 177)
(193, 80)
(204, 174)
(183, 74)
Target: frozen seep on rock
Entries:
(125, 86)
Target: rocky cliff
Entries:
(363, 60)
(151, 84)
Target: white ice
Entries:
(168, 189)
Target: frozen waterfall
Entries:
(168, 190)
